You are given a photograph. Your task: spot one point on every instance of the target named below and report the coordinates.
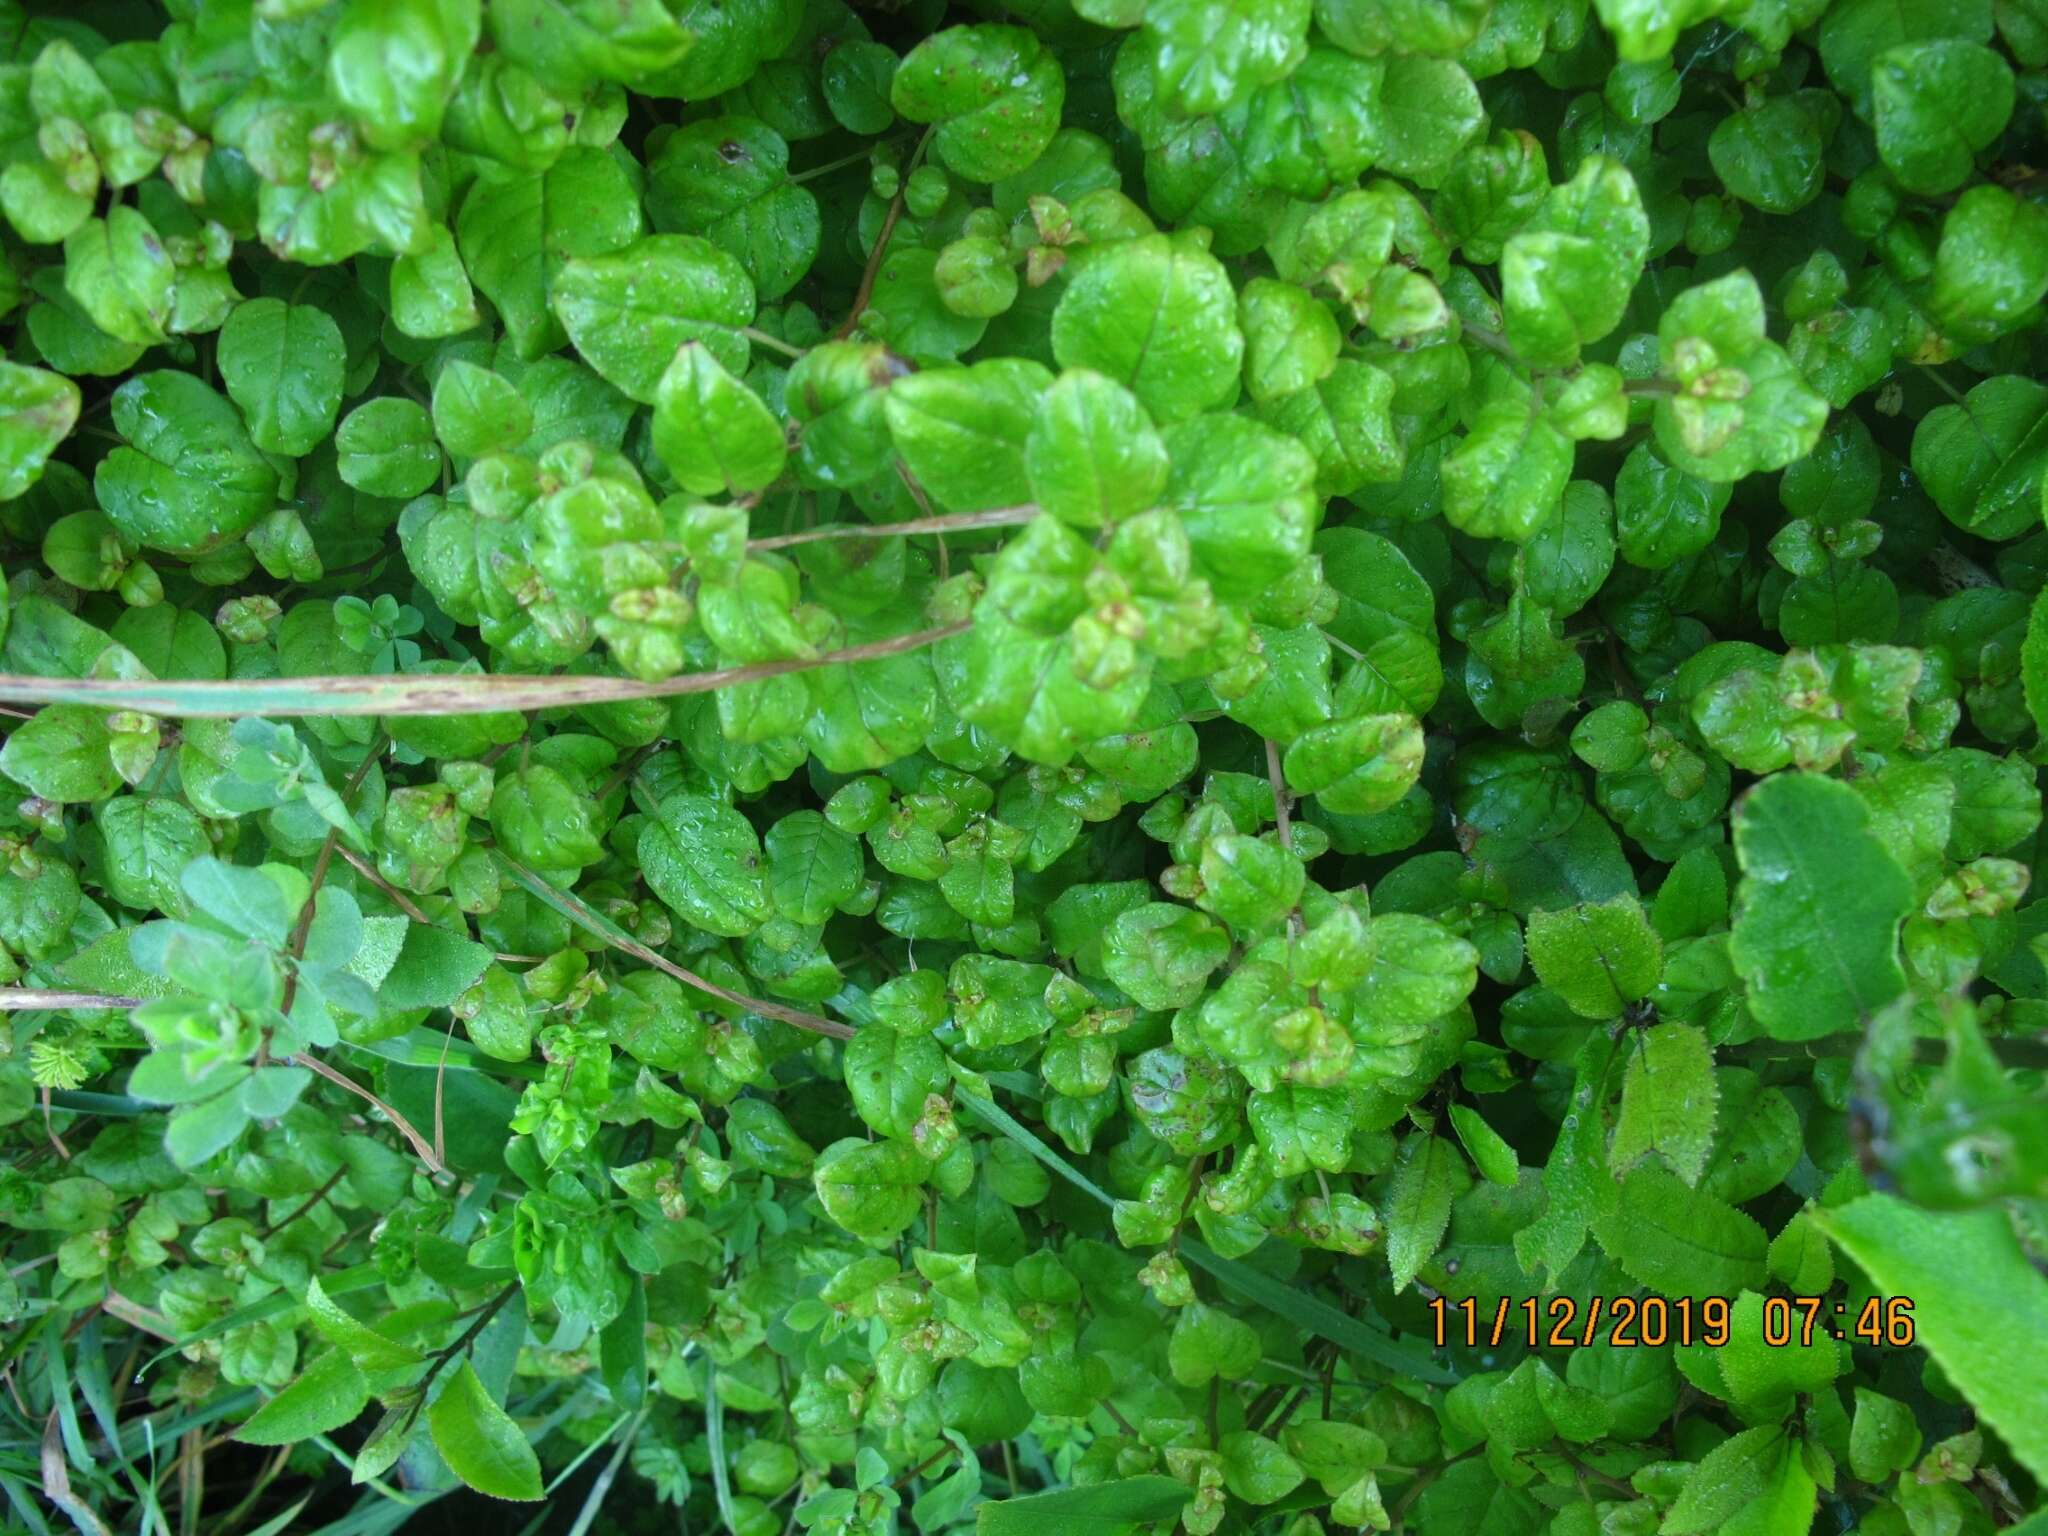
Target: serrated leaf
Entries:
(1427, 1179)
(1978, 1304)
(1817, 910)
(1668, 1099)
(1679, 1241)
(479, 1441)
(328, 1394)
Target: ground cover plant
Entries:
(1089, 765)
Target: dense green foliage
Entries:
(913, 767)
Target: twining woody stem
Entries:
(584, 916)
(439, 1362)
(1493, 341)
(296, 947)
(956, 522)
(874, 267)
(866, 290)
(418, 694)
(420, 1144)
(412, 909)
(398, 898)
(429, 1152)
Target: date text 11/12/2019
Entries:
(1653, 1321)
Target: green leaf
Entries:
(1245, 495)
(1770, 155)
(1645, 29)
(727, 179)
(368, 1349)
(890, 1074)
(1506, 477)
(478, 412)
(1567, 275)
(516, 234)
(1674, 1239)
(703, 860)
(283, 364)
(1091, 454)
(1661, 513)
(1639, 1387)
(149, 839)
(1983, 458)
(1668, 1098)
(37, 411)
(386, 447)
(2034, 663)
(577, 41)
(120, 274)
(1256, 1469)
(1755, 1482)
(1857, 32)
(1428, 1177)
(479, 1441)
(188, 478)
(1489, 1151)
(1883, 1437)
(244, 901)
(1360, 766)
(431, 296)
(856, 77)
(1740, 406)
(1431, 111)
(1937, 104)
(1205, 55)
(433, 968)
(874, 1189)
(1319, 127)
(1978, 1304)
(1598, 956)
(62, 755)
(1291, 339)
(1105, 1509)
(1817, 910)
(328, 1394)
(199, 1132)
(812, 867)
(731, 41)
(1416, 970)
(994, 93)
(962, 431)
(711, 430)
(392, 66)
(1764, 1376)
(1158, 315)
(629, 311)
(1991, 266)
(1161, 953)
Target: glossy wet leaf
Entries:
(1156, 315)
(284, 365)
(628, 312)
(187, 477)
(711, 430)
